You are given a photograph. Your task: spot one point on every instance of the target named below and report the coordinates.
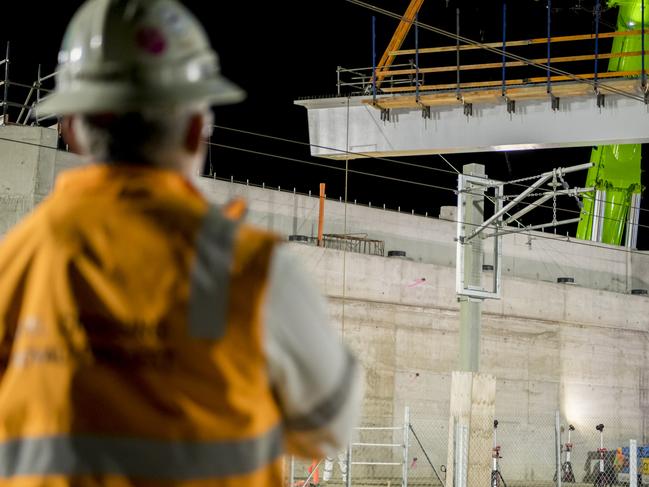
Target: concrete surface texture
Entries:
(29, 164)
(533, 255)
(578, 348)
(551, 346)
(338, 125)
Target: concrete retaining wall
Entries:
(534, 256)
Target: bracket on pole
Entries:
(511, 105)
(468, 109)
(425, 112)
(601, 100)
(555, 102)
(542, 179)
(385, 114)
(467, 186)
(501, 219)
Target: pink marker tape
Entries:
(417, 282)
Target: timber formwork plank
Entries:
(514, 82)
(532, 92)
(510, 64)
(528, 42)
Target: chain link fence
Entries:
(593, 450)
(428, 448)
(411, 449)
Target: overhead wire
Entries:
(495, 50)
(347, 152)
(546, 236)
(537, 235)
(515, 182)
(334, 149)
(335, 168)
(493, 200)
(515, 231)
(287, 158)
(276, 156)
(449, 163)
(401, 180)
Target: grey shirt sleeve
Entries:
(316, 378)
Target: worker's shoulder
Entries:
(254, 245)
(232, 215)
(252, 234)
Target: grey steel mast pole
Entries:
(470, 309)
(457, 52)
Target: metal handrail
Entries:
(410, 74)
(526, 42)
(405, 445)
(515, 82)
(51, 75)
(14, 104)
(22, 111)
(21, 85)
(351, 70)
(513, 64)
(26, 108)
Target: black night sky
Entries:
(282, 51)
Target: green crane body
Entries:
(616, 168)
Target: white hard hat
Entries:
(126, 55)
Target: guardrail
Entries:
(415, 77)
(31, 92)
(358, 243)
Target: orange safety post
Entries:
(321, 215)
(313, 469)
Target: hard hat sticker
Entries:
(151, 40)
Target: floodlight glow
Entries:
(511, 147)
(574, 408)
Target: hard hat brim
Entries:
(100, 97)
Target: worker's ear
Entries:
(69, 135)
(194, 135)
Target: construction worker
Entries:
(145, 337)
(619, 460)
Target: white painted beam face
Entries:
(534, 125)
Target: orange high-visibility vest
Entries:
(132, 339)
(235, 209)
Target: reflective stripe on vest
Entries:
(210, 277)
(324, 412)
(150, 459)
